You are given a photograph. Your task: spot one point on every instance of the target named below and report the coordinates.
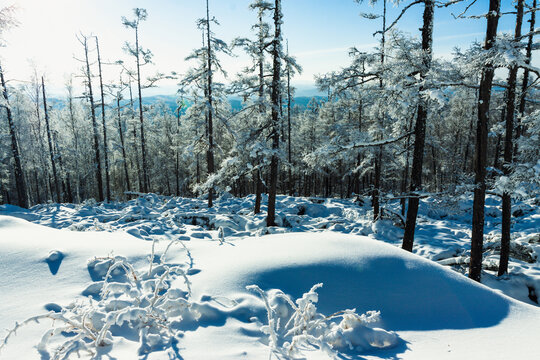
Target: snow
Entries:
(60, 258)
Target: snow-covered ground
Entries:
(162, 278)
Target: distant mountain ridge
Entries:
(236, 103)
(171, 102)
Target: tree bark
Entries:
(508, 149)
(276, 96)
(480, 156)
(525, 82)
(210, 152)
(420, 128)
(97, 157)
(262, 111)
(378, 160)
(177, 151)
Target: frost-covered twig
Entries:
(307, 329)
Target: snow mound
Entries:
(112, 280)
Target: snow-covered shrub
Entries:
(294, 326)
(123, 303)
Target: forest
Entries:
(404, 138)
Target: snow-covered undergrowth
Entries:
(442, 234)
(294, 326)
(160, 277)
(122, 299)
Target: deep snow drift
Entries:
(426, 311)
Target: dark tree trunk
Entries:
(258, 191)
(105, 146)
(145, 178)
(480, 156)
(262, 112)
(420, 128)
(177, 152)
(210, 153)
(49, 138)
(525, 82)
(20, 184)
(378, 160)
(97, 156)
(508, 149)
(276, 96)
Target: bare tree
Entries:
(90, 96)
(105, 145)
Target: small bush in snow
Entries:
(140, 304)
(296, 326)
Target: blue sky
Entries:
(319, 33)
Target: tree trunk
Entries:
(480, 156)
(210, 153)
(145, 178)
(378, 160)
(276, 96)
(525, 82)
(508, 149)
(105, 146)
(258, 191)
(22, 194)
(420, 128)
(49, 138)
(262, 112)
(177, 152)
(97, 158)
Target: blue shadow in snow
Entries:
(410, 295)
(55, 262)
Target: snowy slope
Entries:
(436, 312)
